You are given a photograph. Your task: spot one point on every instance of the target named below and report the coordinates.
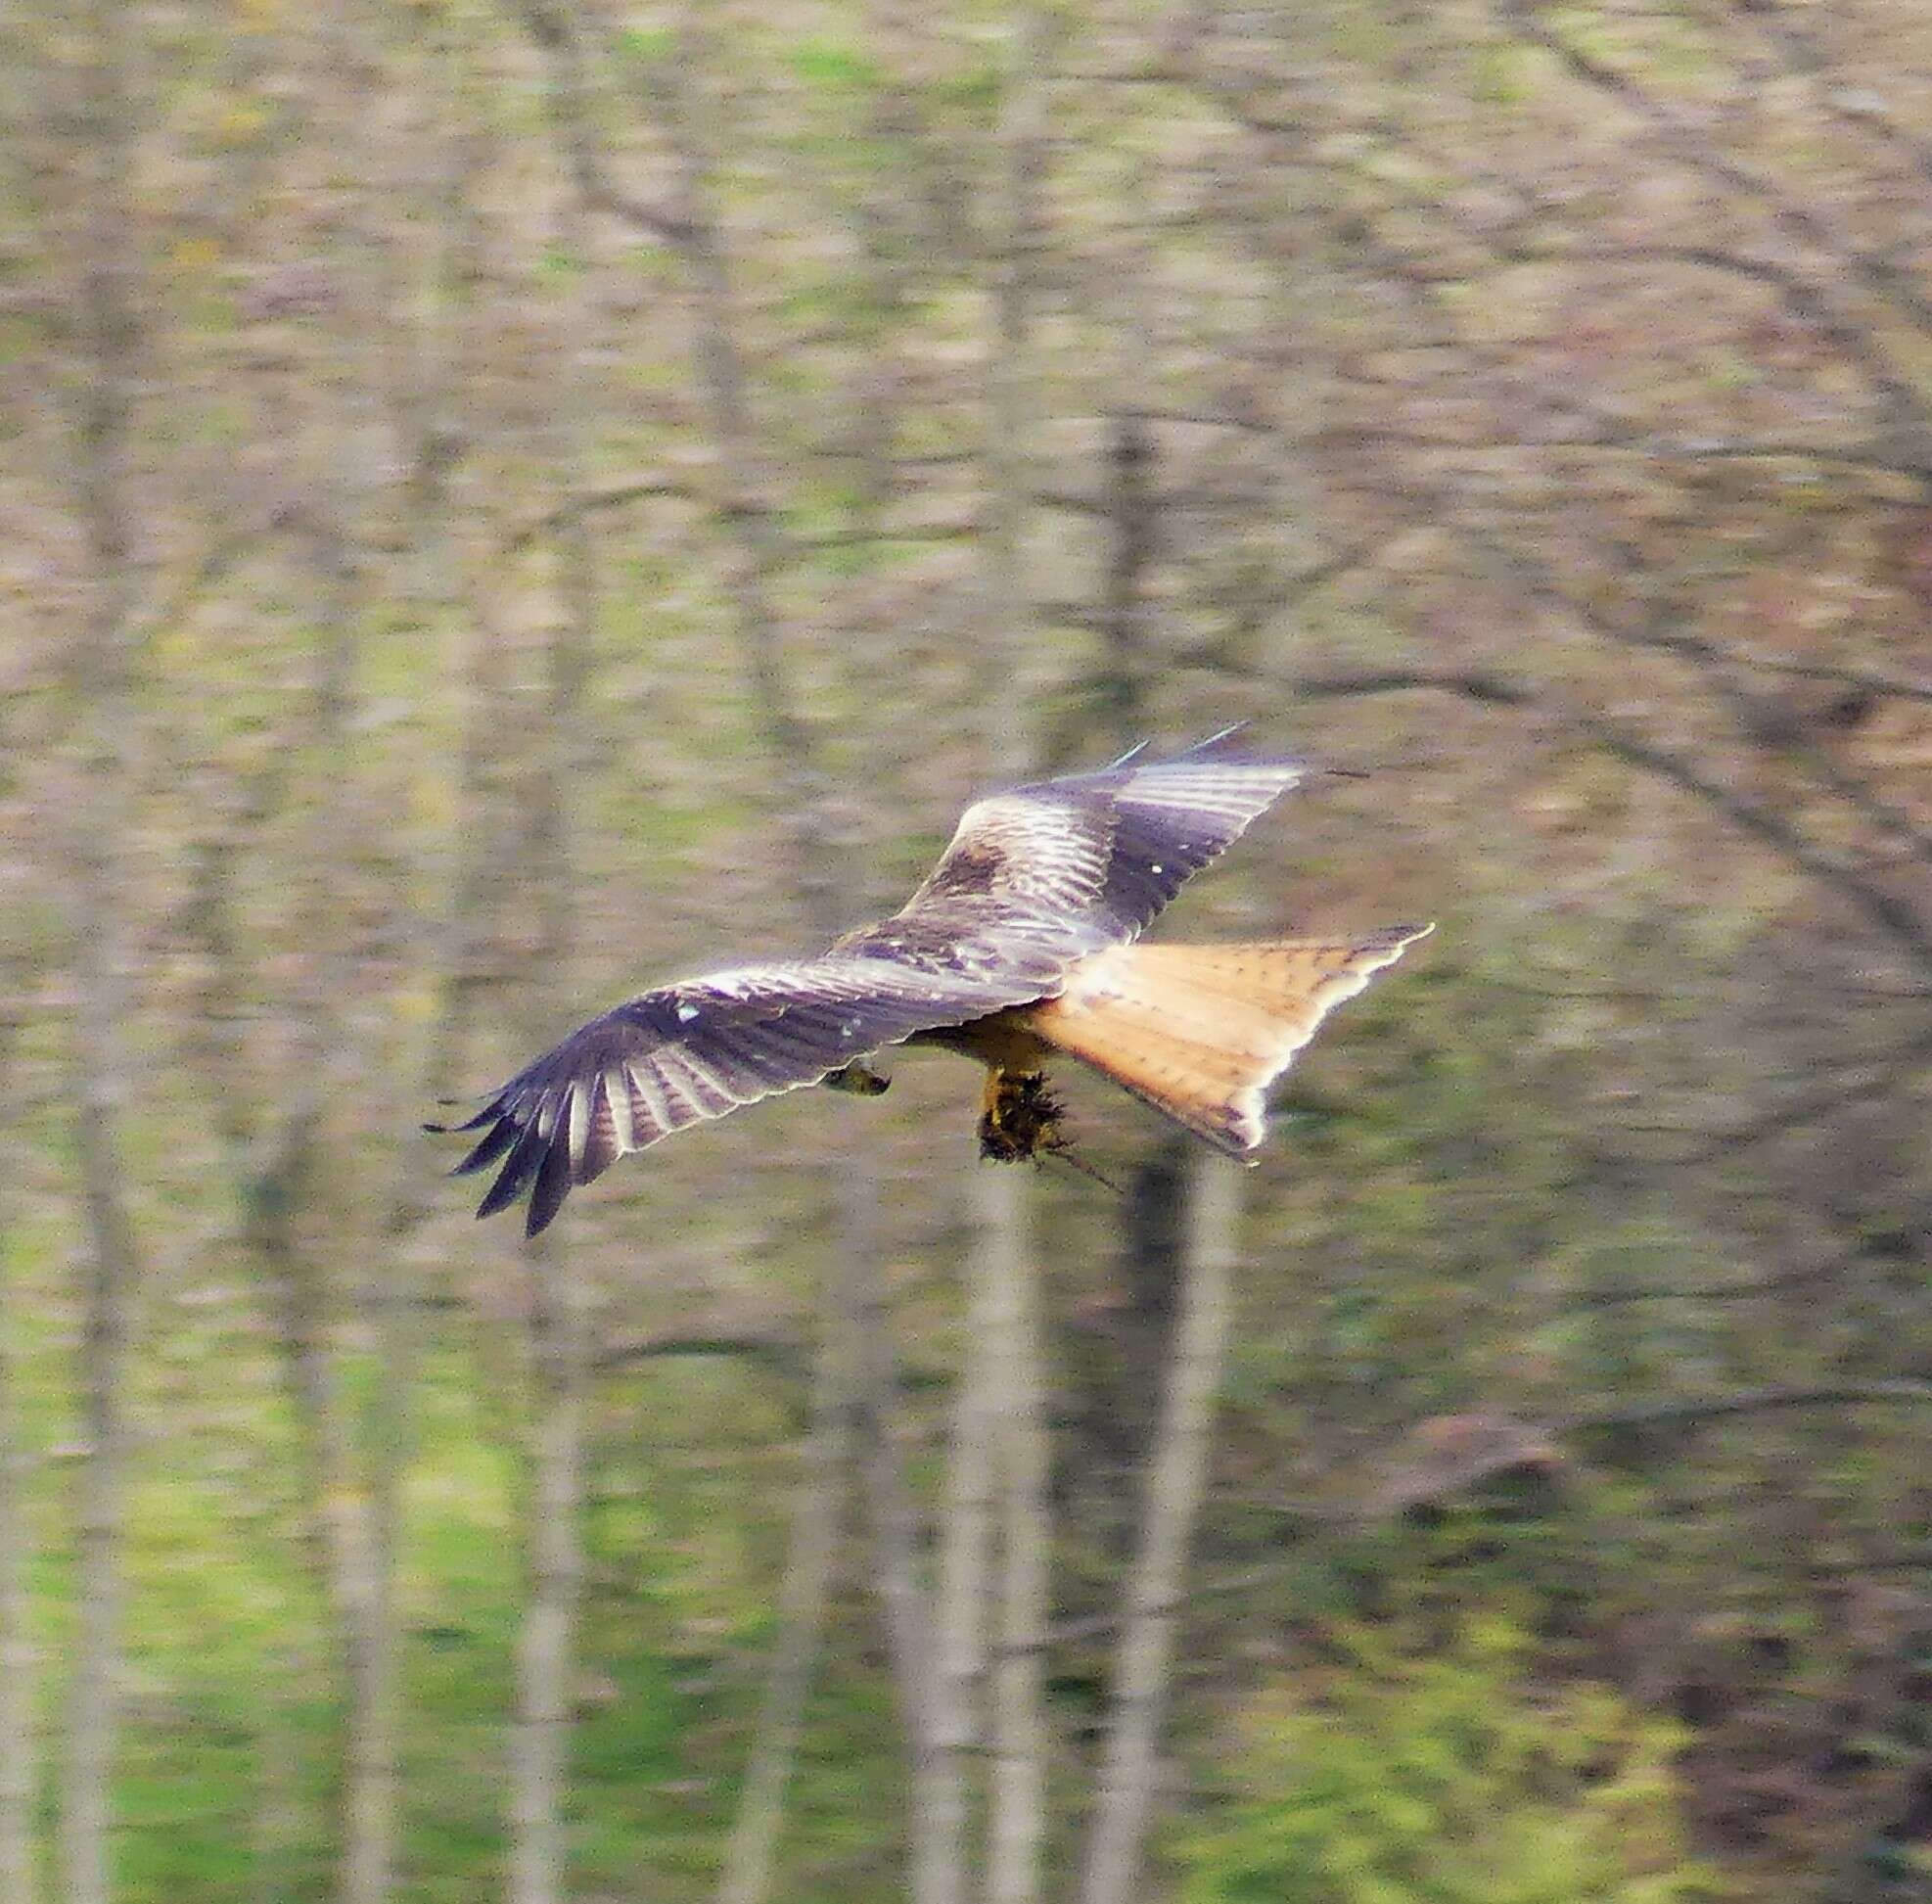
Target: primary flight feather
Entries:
(1020, 943)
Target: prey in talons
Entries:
(1021, 1120)
(1019, 1117)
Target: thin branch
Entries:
(779, 1351)
(872, 535)
(1617, 437)
(1806, 1108)
(1694, 1409)
(752, 1853)
(1693, 145)
(1829, 868)
(1732, 1292)
(552, 28)
(1861, 107)
(540, 527)
(1863, 680)
(281, 1171)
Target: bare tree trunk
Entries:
(215, 1048)
(19, 1754)
(751, 1857)
(1017, 1817)
(353, 1555)
(364, 1542)
(893, 1521)
(540, 1752)
(539, 1743)
(389, 1297)
(850, 1411)
(113, 1268)
(99, 1085)
(996, 1474)
(1005, 1276)
(966, 1534)
(421, 372)
(1176, 1478)
(357, 1571)
(856, 1335)
(1177, 1450)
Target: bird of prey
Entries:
(1022, 943)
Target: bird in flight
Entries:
(1022, 943)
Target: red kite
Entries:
(1021, 943)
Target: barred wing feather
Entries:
(699, 1049)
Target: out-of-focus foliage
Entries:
(1404, 1767)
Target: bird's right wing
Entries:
(1065, 867)
(699, 1049)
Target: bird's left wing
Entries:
(697, 1049)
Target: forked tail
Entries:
(1200, 1031)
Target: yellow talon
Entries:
(993, 1099)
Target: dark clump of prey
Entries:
(1021, 1117)
(1021, 1122)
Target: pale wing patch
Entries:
(1229, 792)
(648, 1103)
(1014, 847)
(623, 1126)
(1088, 860)
(578, 1098)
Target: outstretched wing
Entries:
(1065, 867)
(699, 1049)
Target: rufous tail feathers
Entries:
(1200, 1031)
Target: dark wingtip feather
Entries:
(497, 1139)
(553, 1185)
(515, 1173)
(475, 1123)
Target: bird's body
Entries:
(1021, 945)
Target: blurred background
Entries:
(503, 504)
